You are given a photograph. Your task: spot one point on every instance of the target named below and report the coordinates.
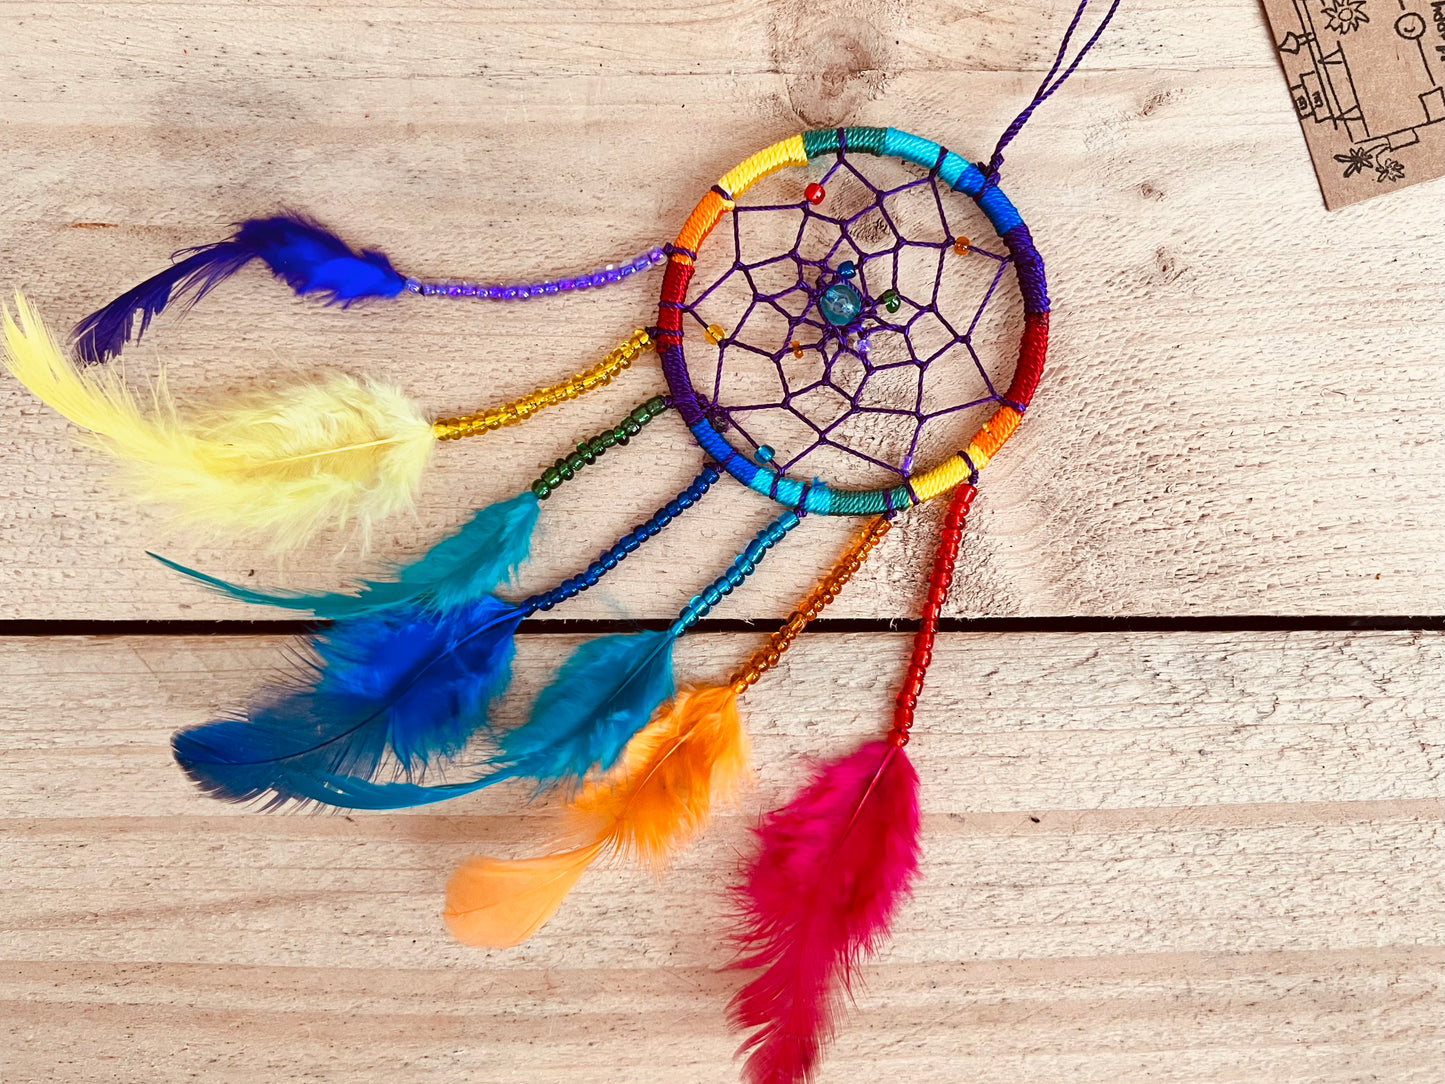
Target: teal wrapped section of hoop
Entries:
(911, 148)
(815, 497)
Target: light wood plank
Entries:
(1185, 858)
(1242, 410)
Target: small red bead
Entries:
(814, 193)
(898, 738)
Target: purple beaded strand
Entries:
(521, 291)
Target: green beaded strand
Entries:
(566, 468)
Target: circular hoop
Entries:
(963, 177)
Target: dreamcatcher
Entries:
(827, 310)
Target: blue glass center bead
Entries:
(840, 304)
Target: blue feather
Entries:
(400, 688)
(603, 695)
(311, 260)
(302, 253)
(348, 792)
(464, 566)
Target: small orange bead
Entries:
(714, 334)
(961, 246)
(797, 349)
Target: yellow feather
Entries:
(692, 753)
(283, 464)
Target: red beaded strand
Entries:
(939, 581)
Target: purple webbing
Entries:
(521, 291)
(798, 303)
(1049, 84)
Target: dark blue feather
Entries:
(303, 254)
(398, 689)
(102, 334)
(603, 695)
(467, 564)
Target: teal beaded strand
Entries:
(742, 567)
(588, 451)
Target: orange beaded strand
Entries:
(939, 581)
(767, 656)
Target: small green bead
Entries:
(656, 405)
(640, 415)
(631, 427)
(552, 477)
(890, 300)
(541, 489)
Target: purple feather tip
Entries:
(301, 253)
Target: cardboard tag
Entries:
(1368, 81)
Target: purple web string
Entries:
(878, 270)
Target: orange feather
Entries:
(498, 904)
(693, 752)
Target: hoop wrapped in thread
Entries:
(958, 174)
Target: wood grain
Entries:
(1174, 857)
(1242, 408)
(1178, 858)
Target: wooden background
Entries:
(1201, 847)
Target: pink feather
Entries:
(833, 867)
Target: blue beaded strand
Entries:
(604, 276)
(610, 558)
(742, 567)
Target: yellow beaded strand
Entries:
(519, 410)
(767, 656)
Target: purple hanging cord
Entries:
(1049, 84)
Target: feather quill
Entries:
(694, 753)
(831, 869)
(399, 689)
(285, 465)
(467, 564)
(603, 694)
(300, 252)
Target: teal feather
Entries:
(603, 695)
(461, 568)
